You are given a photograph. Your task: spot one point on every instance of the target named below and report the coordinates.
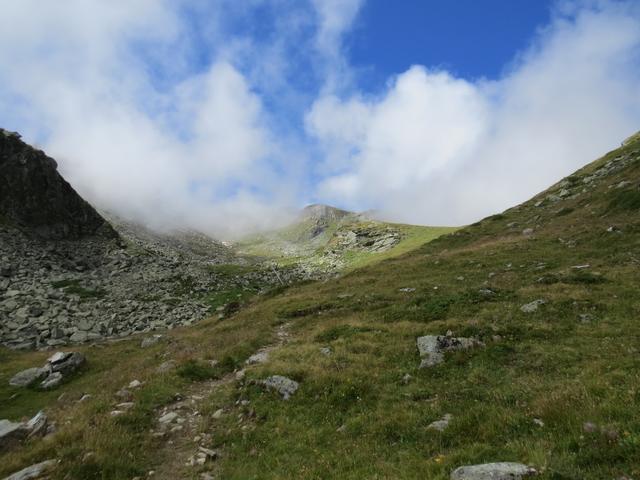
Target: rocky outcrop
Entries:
(56, 292)
(433, 347)
(283, 385)
(13, 434)
(58, 366)
(36, 198)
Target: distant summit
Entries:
(35, 197)
(323, 212)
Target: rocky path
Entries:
(187, 451)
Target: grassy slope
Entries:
(353, 416)
(292, 244)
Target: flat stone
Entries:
(149, 341)
(218, 414)
(283, 385)
(493, 471)
(260, 357)
(79, 336)
(533, 306)
(440, 425)
(28, 377)
(58, 357)
(168, 417)
(52, 381)
(34, 471)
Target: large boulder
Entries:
(433, 347)
(58, 366)
(13, 434)
(28, 377)
(34, 196)
(494, 471)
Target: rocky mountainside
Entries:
(68, 275)
(507, 349)
(34, 197)
(325, 239)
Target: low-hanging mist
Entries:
(175, 114)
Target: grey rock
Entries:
(52, 381)
(442, 424)
(149, 341)
(34, 471)
(433, 347)
(68, 363)
(37, 426)
(168, 418)
(493, 471)
(79, 337)
(28, 377)
(260, 357)
(11, 434)
(34, 195)
(283, 385)
(533, 306)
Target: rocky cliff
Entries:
(35, 197)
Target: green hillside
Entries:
(340, 241)
(550, 287)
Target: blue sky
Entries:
(228, 116)
(469, 38)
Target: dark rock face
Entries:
(35, 197)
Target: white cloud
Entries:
(196, 151)
(436, 149)
(170, 112)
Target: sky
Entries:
(229, 116)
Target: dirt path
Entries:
(185, 450)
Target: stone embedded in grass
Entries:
(12, 434)
(67, 363)
(442, 424)
(52, 373)
(283, 385)
(325, 351)
(494, 471)
(167, 418)
(149, 341)
(260, 357)
(432, 347)
(218, 414)
(51, 381)
(28, 377)
(34, 471)
(533, 306)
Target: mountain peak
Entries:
(323, 212)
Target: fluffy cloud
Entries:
(438, 149)
(156, 109)
(186, 113)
